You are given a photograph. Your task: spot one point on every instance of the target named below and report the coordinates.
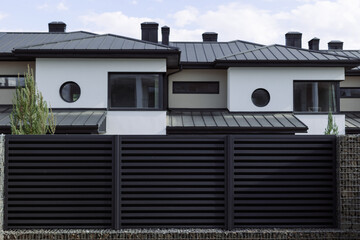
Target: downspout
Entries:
(166, 100)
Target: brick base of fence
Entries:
(133, 234)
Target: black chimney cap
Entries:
(314, 44)
(335, 45)
(57, 26)
(210, 36)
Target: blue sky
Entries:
(262, 21)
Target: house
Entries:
(117, 85)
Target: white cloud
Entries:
(134, 2)
(62, 7)
(43, 6)
(325, 19)
(115, 22)
(185, 17)
(3, 15)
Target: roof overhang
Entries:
(68, 121)
(225, 122)
(348, 64)
(172, 56)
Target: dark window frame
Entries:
(11, 87)
(201, 82)
(268, 100)
(62, 85)
(337, 96)
(161, 92)
(341, 88)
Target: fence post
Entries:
(229, 182)
(116, 181)
(2, 180)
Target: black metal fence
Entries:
(118, 182)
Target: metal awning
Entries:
(352, 123)
(67, 121)
(225, 122)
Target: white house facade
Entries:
(110, 84)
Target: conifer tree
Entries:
(332, 128)
(30, 114)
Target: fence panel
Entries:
(120, 182)
(172, 182)
(58, 182)
(285, 181)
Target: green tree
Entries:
(332, 128)
(30, 114)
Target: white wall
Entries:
(136, 122)
(12, 68)
(278, 81)
(92, 77)
(90, 74)
(318, 123)
(199, 100)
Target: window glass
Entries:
(12, 81)
(315, 96)
(260, 97)
(350, 92)
(70, 92)
(196, 87)
(139, 91)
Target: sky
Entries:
(259, 21)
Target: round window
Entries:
(260, 97)
(70, 92)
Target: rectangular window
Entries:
(350, 92)
(12, 81)
(316, 96)
(134, 91)
(196, 87)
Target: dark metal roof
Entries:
(348, 53)
(99, 42)
(67, 121)
(230, 122)
(12, 40)
(283, 53)
(352, 122)
(207, 52)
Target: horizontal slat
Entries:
(283, 221)
(57, 208)
(284, 145)
(171, 190)
(209, 183)
(172, 145)
(284, 164)
(171, 214)
(312, 214)
(172, 164)
(58, 221)
(266, 182)
(173, 152)
(172, 202)
(72, 184)
(285, 170)
(166, 221)
(59, 196)
(70, 216)
(284, 152)
(297, 202)
(50, 145)
(284, 195)
(283, 208)
(283, 189)
(58, 190)
(171, 209)
(59, 152)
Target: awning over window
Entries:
(225, 122)
(67, 121)
(352, 123)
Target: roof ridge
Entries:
(97, 36)
(50, 32)
(279, 45)
(69, 40)
(243, 52)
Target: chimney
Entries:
(209, 37)
(293, 39)
(314, 44)
(335, 45)
(165, 32)
(57, 27)
(149, 31)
